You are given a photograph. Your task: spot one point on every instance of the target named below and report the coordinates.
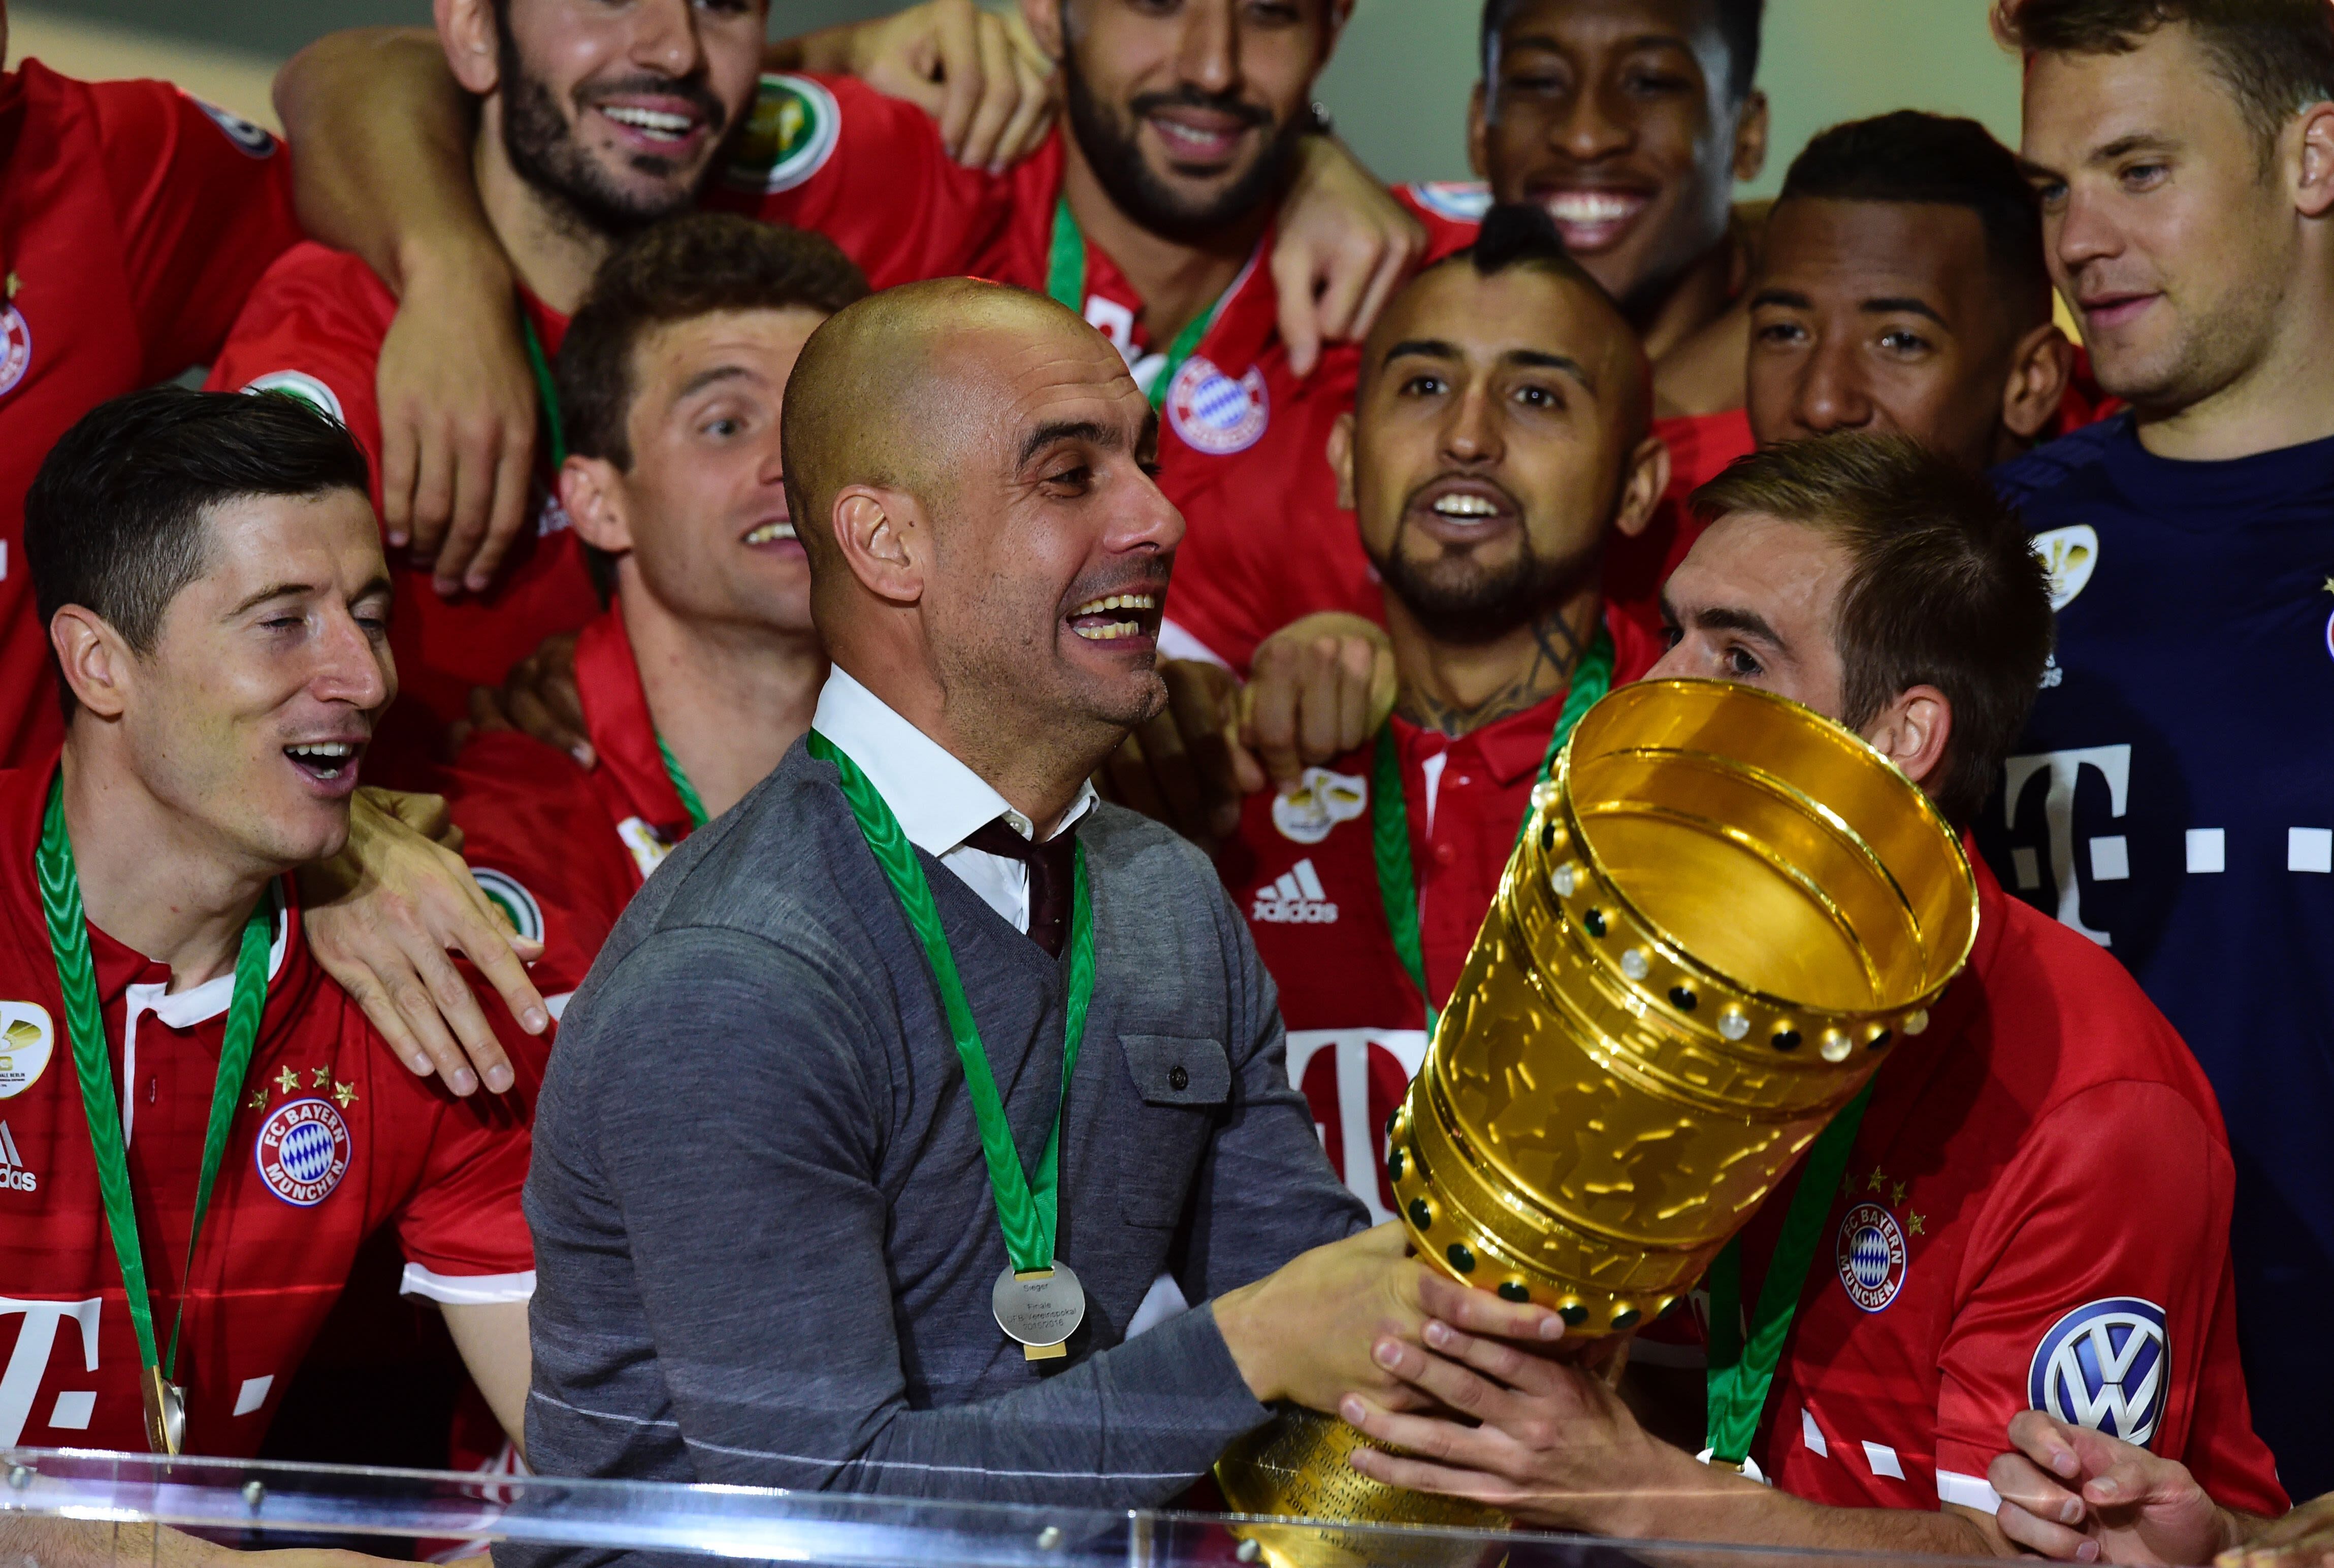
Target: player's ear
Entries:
(1647, 481)
(466, 32)
(1341, 457)
(884, 536)
(2313, 194)
(1045, 20)
(2039, 369)
(1478, 133)
(1912, 732)
(1750, 138)
(98, 664)
(593, 494)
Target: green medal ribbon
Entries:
(1740, 1369)
(1027, 1209)
(85, 1023)
(1592, 677)
(547, 388)
(1065, 281)
(690, 801)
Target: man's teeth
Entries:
(1112, 630)
(770, 533)
(326, 757)
(656, 122)
(1465, 507)
(1118, 601)
(1591, 207)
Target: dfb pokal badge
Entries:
(1871, 1256)
(15, 348)
(303, 1152)
(1214, 413)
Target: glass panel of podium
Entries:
(73, 1508)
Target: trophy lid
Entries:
(1772, 849)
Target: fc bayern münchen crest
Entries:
(15, 347)
(2103, 1366)
(1215, 414)
(303, 1152)
(1871, 1256)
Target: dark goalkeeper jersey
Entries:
(2173, 800)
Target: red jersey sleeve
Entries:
(313, 329)
(1452, 210)
(464, 1237)
(542, 846)
(205, 204)
(867, 171)
(2093, 1288)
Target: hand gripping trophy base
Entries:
(1723, 909)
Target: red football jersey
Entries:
(2036, 1214)
(133, 220)
(563, 849)
(1241, 443)
(333, 1138)
(313, 327)
(1303, 871)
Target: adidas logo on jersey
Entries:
(1296, 898)
(13, 1176)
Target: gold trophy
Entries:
(1723, 908)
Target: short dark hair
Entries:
(1943, 588)
(674, 270)
(1522, 234)
(1912, 157)
(1737, 25)
(2276, 57)
(117, 519)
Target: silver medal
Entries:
(1041, 1308)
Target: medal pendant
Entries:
(1041, 1309)
(166, 1413)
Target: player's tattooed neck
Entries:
(1555, 652)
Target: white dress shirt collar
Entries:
(938, 799)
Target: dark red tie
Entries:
(1051, 873)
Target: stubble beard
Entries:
(544, 152)
(1112, 147)
(1456, 601)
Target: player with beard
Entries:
(2184, 158)
(1180, 206)
(1630, 122)
(584, 134)
(1499, 440)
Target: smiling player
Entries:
(217, 604)
(1499, 444)
(704, 668)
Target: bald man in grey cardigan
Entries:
(770, 1247)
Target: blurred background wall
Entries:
(1398, 87)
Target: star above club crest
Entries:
(258, 1101)
(320, 1076)
(1897, 1195)
(287, 1080)
(1917, 1223)
(345, 1094)
(1877, 1180)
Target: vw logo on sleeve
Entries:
(2103, 1366)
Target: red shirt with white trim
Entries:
(1304, 872)
(331, 1139)
(313, 329)
(564, 848)
(1241, 443)
(2036, 1214)
(133, 220)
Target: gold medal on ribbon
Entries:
(166, 1413)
